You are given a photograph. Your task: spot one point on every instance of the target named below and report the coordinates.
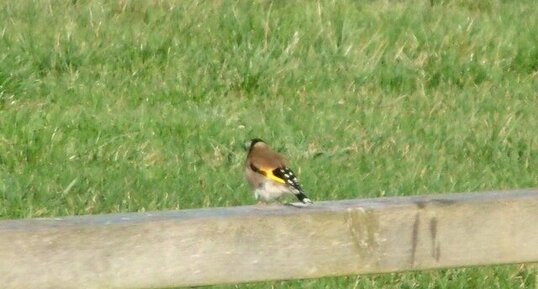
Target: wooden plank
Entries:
(241, 244)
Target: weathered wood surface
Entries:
(240, 244)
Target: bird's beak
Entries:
(246, 145)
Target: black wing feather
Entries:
(289, 176)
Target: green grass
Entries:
(129, 106)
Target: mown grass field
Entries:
(129, 106)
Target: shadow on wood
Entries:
(241, 244)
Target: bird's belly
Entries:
(270, 191)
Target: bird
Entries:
(269, 176)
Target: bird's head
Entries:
(251, 143)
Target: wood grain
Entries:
(252, 243)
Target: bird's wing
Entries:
(269, 173)
(289, 177)
(267, 163)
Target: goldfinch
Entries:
(269, 176)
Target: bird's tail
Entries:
(303, 198)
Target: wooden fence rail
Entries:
(252, 243)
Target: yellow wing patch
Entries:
(268, 173)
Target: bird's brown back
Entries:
(261, 156)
